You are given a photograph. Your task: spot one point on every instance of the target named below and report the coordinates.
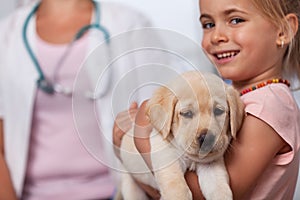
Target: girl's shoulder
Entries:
(275, 105)
(273, 97)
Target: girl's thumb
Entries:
(133, 105)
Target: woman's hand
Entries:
(122, 124)
(6, 190)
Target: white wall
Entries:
(6, 7)
(177, 15)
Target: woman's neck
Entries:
(58, 21)
(63, 7)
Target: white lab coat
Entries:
(18, 78)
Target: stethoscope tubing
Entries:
(42, 82)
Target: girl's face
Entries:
(241, 42)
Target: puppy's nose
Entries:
(206, 140)
(202, 136)
(201, 139)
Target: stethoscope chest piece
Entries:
(46, 86)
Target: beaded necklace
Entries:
(264, 84)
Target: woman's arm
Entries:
(6, 189)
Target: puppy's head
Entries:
(197, 112)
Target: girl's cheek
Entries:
(204, 43)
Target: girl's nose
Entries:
(219, 35)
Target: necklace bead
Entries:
(284, 81)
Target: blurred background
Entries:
(176, 15)
(172, 14)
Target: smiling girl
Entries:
(256, 44)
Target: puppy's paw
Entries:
(180, 191)
(178, 195)
(223, 194)
(130, 190)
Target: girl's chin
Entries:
(227, 72)
(226, 75)
(223, 73)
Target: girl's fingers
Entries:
(123, 123)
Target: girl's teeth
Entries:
(226, 55)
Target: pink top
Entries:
(59, 166)
(275, 105)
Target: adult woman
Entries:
(41, 154)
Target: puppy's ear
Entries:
(236, 110)
(160, 110)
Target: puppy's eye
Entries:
(187, 114)
(218, 111)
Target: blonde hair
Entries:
(275, 11)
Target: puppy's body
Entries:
(194, 119)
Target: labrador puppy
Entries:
(194, 117)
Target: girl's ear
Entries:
(285, 36)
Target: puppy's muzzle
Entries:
(206, 140)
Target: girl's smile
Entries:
(223, 57)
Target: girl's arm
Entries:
(6, 189)
(256, 146)
(122, 124)
(142, 132)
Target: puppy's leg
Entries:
(130, 190)
(172, 183)
(214, 181)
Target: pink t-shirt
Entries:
(275, 105)
(59, 166)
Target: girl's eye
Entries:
(208, 25)
(236, 21)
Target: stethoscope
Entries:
(51, 86)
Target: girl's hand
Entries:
(142, 132)
(122, 124)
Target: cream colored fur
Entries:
(194, 119)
